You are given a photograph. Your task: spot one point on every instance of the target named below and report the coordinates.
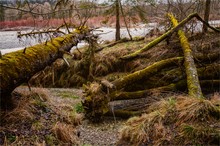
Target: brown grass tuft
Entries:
(174, 121)
(24, 109)
(65, 133)
(199, 133)
(196, 110)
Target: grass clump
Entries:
(174, 121)
(39, 119)
(65, 133)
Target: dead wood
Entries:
(167, 35)
(147, 72)
(193, 85)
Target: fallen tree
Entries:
(18, 67)
(193, 85)
(98, 95)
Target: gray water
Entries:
(10, 42)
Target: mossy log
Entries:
(193, 85)
(179, 86)
(18, 67)
(147, 72)
(167, 35)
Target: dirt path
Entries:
(104, 133)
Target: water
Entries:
(9, 41)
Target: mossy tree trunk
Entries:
(18, 67)
(193, 85)
(99, 94)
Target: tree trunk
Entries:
(206, 15)
(126, 25)
(193, 85)
(18, 67)
(117, 34)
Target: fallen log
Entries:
(167, 35)
(98, 95)
(147, 72)
(193, 85)
(18, 67)
(179, 86)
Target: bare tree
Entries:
(117, 26)
(206, 14)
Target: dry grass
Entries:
(34, 116)
(174, 121)
(65, 133)
(24, 109)
(193, 110)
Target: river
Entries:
(9, 41)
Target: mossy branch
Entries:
(147, 72)
(166, 35)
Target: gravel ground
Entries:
(103, 134)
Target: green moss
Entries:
(193, 85)
(50, 139)
(147, 72)
(79, 108)
(66, 94)
(17, 67)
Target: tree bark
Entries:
(126, 25)
(18, 67)
(206, 15)
(179, 86)
(117, 34)
(193, 85)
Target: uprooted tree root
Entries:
(175, 121)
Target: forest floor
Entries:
(53, 116)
